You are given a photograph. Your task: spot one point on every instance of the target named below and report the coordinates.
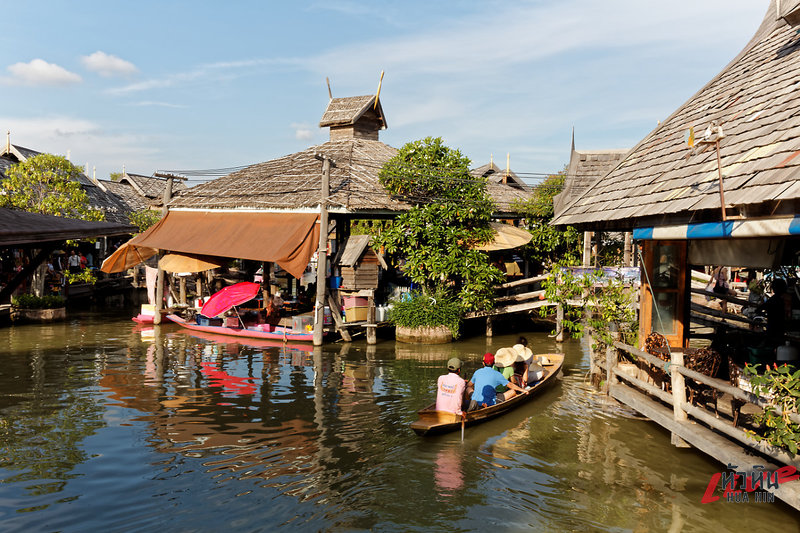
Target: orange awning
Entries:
(288, 239)
(174, 262)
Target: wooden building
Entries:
(358, 264)
(733, 198)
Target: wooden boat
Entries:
(433, 422)
(267, 332)
(251, 342)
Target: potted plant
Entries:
(38, 308)
(421, 317)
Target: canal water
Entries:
(108, 426)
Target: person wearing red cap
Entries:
(484, 381)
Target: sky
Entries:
(171, 85)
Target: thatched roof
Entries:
(126, 193)
(115, 209)
(495, 174)
(294, 182)
(347, 111)
(755, 99)
(150, 187)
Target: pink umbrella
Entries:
(237, 294)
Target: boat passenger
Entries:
(534, 371)
(484, 381)
(504, 363)
(450, 388)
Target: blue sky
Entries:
(200, 84)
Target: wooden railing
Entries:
(679, 424)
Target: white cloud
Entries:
(40, 72)
(303, 132)
(108, 65)
(86, 141)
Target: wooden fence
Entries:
(690, 424)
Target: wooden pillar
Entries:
(266, 276)
(182, 290)
(596, 248)
(678, 396)
(159, 293)
(611, 364)
(559, 323)
(587, 248)
(372, 328)
(489, 326)
(322, 258)
(199, 286)
(628, 250)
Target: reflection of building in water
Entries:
(426, 352)
(301, 436)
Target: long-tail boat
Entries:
(433, 422)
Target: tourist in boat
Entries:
(450, 388)
(504, 360)
(484, 381)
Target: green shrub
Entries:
(422, 309)
(29, 301)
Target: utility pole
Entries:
(322, 250)
(164, 210)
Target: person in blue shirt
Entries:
(484, 381)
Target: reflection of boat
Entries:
(263, 331)
(433, 422)
(252, 343)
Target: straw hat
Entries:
(524, 352)
(505, 357)
(543, 360)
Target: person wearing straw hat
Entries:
(450, 388)
(534, 371)
(484, 381)
(504, 360)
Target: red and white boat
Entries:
(261, 331)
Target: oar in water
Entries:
(463, 417)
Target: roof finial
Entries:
(8, 141)
(508, 167)
(330, 94)
(573, 140)
(378, 94)
(69, 153)
(491, 161)
(94, 174)
(123, 169)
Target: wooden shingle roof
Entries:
(584, 170)
(756, 99)
(116, 209)
(294, 182)
(151, 187)
(347, 111)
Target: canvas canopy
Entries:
(761, 227)
(506, 237)
(288, 239)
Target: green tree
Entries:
(450, 214)
(549, 244)
(144, 218)
(47, 184)
(115, 176)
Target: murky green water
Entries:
(109, 427)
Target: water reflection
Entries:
(271, 436)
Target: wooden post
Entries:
(372, 328)
(559, 323)
(159, 294)
(719, 175)
(319, 306)
(587, 248)
(628, 250)
(596, 248)
(182, 290)
(489, 328)
(199, 286)
(160, 278)
(611, 363)
(678, 396)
